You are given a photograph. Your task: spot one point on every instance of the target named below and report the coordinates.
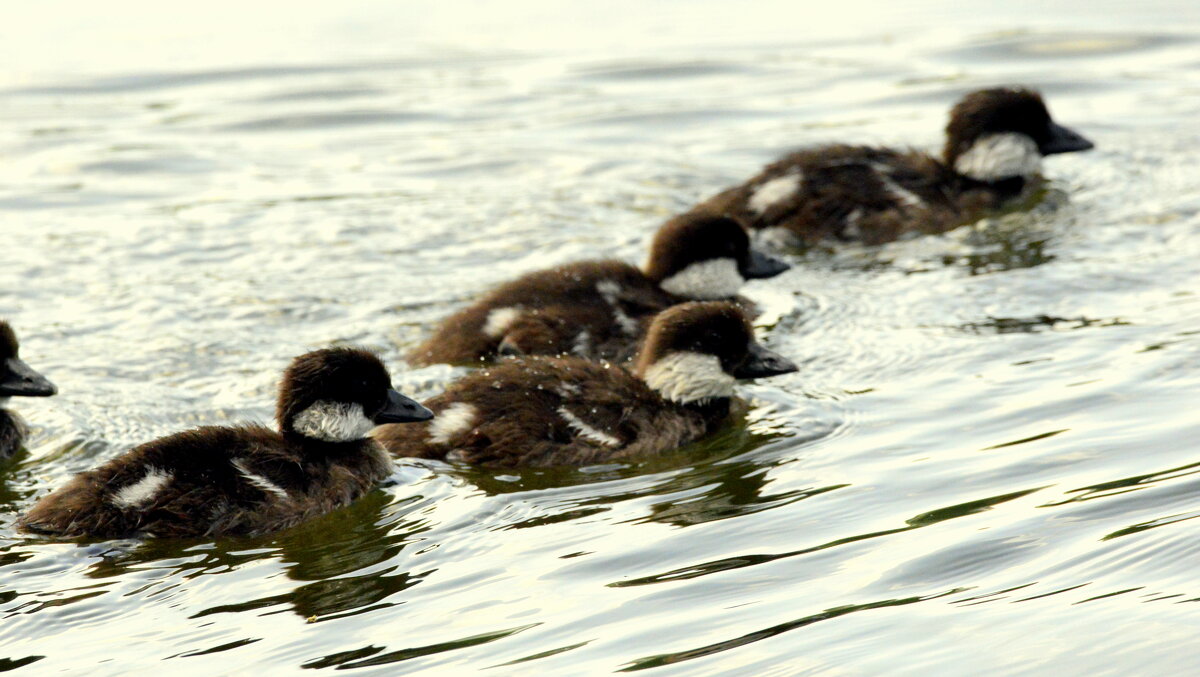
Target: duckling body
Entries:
(244, 480)
(855, 193)
(211, 481)
(600, 309)
(996, 139)
(556, 411)
(589, 309)
(544, 411)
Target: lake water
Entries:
(987, 464)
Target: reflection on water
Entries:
(990, 443)
(922, 520)
(767, 633)
(1007, 325)
(368, 656)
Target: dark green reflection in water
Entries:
(735, 478)
(219, 648)
(730, 563)
(766, 633)
(1160, 522)
(367, 656)
(544, 654)
(1127, 484)
(7, 664)
(1029, 325)
(325, 551)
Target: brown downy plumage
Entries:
(245, 480)
(599, 309)
(16, 380)
(542, 411)
(994, 144)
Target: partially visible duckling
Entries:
(16, 380)
(570, 411)
(599, 309)
(245, 480)
(995, 141)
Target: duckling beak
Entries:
(1064, 140)
(17, 379)
(400, 409)
(762, 363)
(760, 266)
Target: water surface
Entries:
(987, 463)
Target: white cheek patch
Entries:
(611, 291)
(451, 421)
(142, 491)
(256, 480)
(586, 431)
(774, 191)
(711, 279)
(333, 422)
(1000, 156)
(689, 377)
(499, 320)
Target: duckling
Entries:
(244, 480)
(16, 380)
(599, 309)
(542, 411)
(995, 141)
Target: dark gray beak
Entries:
(400, 409)
(1064, 140)
(759, 266)
(762, 363)
(18, 380)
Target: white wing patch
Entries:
(774, 191)
(333, 422)
(899, 193)
(499, 320)
(686, 376)
(451, 421)
(258, 481)
(611, 292)
(851, 229)
(143, 490)
(586, 431)
(711, 279)
(583, 344)
(1000, 156)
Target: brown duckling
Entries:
(17, 379)
(542, 411)
(244, 480)
(995, 142)
(599, 309)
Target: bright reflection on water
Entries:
(987, 463)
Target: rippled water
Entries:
(987, 464)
